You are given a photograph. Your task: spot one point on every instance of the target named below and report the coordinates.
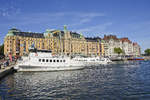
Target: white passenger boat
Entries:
(43, 60)
(93, 61)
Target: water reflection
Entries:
(125, 80)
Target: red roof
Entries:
(135, 43)
(108, 37)
(125, 39)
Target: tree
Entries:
(2, 49)
(118, 50)
(147, 52)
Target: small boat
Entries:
(43, 60)
(136, 58)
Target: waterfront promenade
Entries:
(146, 57)
(6, 70)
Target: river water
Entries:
(121, 81)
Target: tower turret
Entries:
(11, 31)
(65, 29)
(48, 33)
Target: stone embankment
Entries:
(6, 69)
(147, 57)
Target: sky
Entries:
(124, 18)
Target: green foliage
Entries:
(147, 52)
(2, 49)
(118, 50)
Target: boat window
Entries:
(43, 60)
(63, 60)
(60, 60)
(39, 60)
(50, 60)
(53, 60)
(46, 60)
(57, 60)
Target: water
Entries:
(122, 81)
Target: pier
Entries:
(146, 57)
(6, 71)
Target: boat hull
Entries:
(36, 68)
(136, 58)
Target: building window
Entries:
(42, 45)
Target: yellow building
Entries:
(17, 42)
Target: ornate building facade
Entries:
(66, 42)
(17, 42)
(129, 48)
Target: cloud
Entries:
(83, 17)
(97, 28)
(80, 22)
(71, 19)
(91, 14)
(81, 14)
(9, 11)
(85, 20)
(72, 14)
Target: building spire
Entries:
(65, 28)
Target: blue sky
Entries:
(124, 18)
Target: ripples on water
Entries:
(123, 81)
